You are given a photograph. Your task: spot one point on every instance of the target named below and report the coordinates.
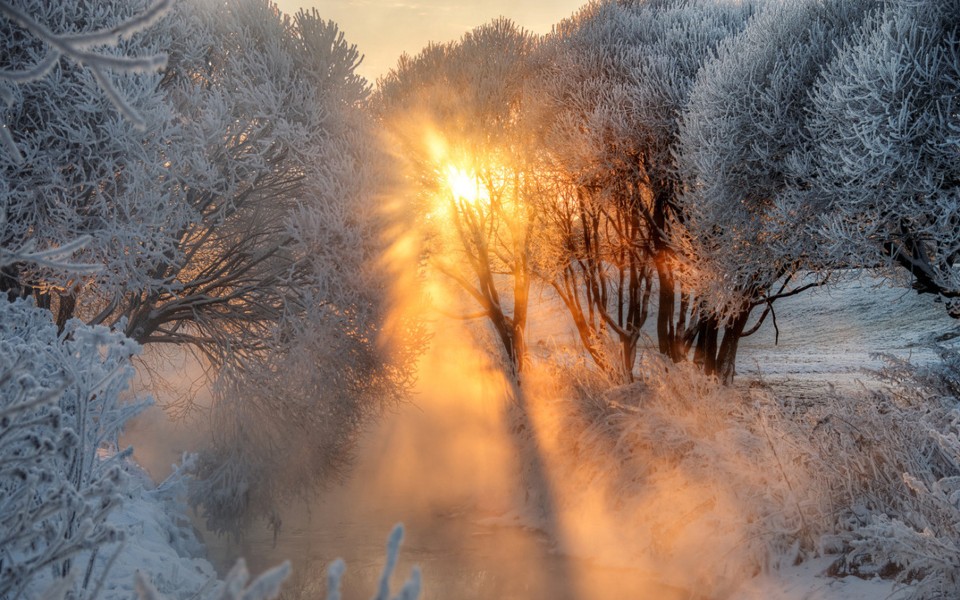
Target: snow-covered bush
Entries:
(872, 478)
(894, 464)
(676, 463)
(60, 415)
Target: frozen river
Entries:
(445, 465)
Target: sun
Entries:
(463, 186)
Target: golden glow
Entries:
(436, 145)
(465, 187)
(457, 184)
(456, 181)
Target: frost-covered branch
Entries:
(884, 134)
(79, 48)
(85, 203)
(410, 589)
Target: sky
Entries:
(384, 29)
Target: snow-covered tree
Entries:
(742, 133)
(593, 248)
(276, 278)
(242, 222)
(885, 129)
(83, 162)
(617, 77)
(453, 113)
(259, 99)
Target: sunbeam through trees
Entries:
(659, 302)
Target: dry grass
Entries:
(713, 484)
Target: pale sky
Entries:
(383, 29)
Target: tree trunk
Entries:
(629, 354)
(707, 346)
(666, 307)
(66, 309)
(521, 301)
(726, 361)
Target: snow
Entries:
(807, 581)
(160, 544)
(840, 329)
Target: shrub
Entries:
(60, 408)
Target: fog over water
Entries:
(446, 464)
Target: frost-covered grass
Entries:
(895, 460)
(77, 517)
(60, 410)
(711, 485)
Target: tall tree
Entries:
(277, 279)
(243, 223)
(453, 112)
(741, 131)
(615, 84)
(885, 129)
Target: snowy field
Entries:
(832, 335)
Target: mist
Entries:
(552, 488)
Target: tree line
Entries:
(687, 161)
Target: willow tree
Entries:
(452, 112)
(884, 130)
(743, 129)
(614, 82)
